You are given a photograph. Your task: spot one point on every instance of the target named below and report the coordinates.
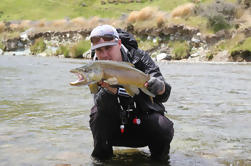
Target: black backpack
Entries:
(127, 40)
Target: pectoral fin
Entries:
(147, 92)
(131, 90)
(93, 88)
(112, 81)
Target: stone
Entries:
(163, 56)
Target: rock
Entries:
(163, 56)
(222, 56)
(13, 44)
(87, 54)
(43, 54)
(102, 2)
(241, 56)
(83, 4)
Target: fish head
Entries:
(82, 73)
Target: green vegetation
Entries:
(74, 51)
(243, 45)
(219, 14)
(2, 47)
(181, 49)
(38, 46)
(229, 44)
(148, 44)
(61, 9)
(217, 23)
(77, 50)
(63, 50)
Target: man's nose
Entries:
(104, 54)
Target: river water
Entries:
(44, 120)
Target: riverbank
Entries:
(185, 33)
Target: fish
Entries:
(113, 73)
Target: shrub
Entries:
(77, 50)
(217, 23)
(38, 46)
(219, 14)
(181, 50)
(244, 45)
(183, 10)
(2, 46)
(63, 50)
(2, 27)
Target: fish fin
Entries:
(112, 81)
(131, 90)
(147, 92)
(93, 88)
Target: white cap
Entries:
(104, 30)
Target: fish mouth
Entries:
(80, 81)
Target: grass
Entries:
(181, 49)
(77, 50)
(74, 51)
(243, 45)
(63, 50)
(193, 21)
(2, 47)
(145, 44)
(60, 9)
(38, 46)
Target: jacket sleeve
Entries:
(147, 65)
(102, 97)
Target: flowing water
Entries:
(44, 121)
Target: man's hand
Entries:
(108, 87)
(156, 86)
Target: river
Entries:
(44, 120)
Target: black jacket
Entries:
(143, 62)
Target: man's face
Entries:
(109, 52)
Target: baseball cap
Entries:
(107, 32)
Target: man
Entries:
(118, 119)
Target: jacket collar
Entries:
(127, 56)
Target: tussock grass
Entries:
(2, 47)
(63, 50)
(184, 10)
(2, 27)
(181, 49)
(77, 50)
(148, 17)
(38, 46)
(147, 13)
(243, 45)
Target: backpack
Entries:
(127, 40)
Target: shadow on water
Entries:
(125, 157)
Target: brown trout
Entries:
(113, 73)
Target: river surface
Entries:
(44, 120)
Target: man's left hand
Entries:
(156, 86)
(108, 87)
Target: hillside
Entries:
(60, 9)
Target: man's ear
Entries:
(119, 43)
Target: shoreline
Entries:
(183, 61)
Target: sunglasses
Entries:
(95, 39)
